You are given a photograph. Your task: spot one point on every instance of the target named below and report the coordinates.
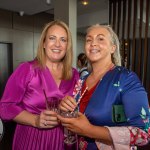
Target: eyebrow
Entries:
(56, 36)
(100, 35)
(96, 35)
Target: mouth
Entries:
(56, 50)
(94, 50)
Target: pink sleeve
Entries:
(120, 137)
(10, 104)
(125, 137)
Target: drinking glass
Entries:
(52, 104)
(70, 138)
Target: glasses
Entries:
(70, 138)
(52, 103)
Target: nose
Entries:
(57, 43)
(94, 42)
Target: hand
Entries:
(68, 103)
(47, 119)
(79, 125)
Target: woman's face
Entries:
(98, 45)
(55, 43)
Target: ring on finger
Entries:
(45, 123)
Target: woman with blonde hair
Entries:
(113, 104)
(49, 75)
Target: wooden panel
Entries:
(119, 17)
(146, 43)
(140, 40)
(134, 33)
(114, 16)
(123, 30)
(128, 33)
(110, 11)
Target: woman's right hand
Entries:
(47, 119)
(68, 103)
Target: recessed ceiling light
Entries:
(84, 2)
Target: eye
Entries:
(100, 39)
(63, 39)
(88, 40)
(52, 38)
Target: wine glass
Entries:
(70, 138)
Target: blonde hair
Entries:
(116, 57)
(67, 60)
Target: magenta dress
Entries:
(24, 91)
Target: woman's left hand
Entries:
(79, 125)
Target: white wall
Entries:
(80, 44)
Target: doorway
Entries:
(6, 69)
(6, 64)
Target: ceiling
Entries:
(31, 7)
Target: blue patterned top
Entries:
(119, 86)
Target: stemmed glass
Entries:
(70, 138)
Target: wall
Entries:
(86, 20)
(80, 44)
(23, 32)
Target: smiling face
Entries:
(55, 43)
(98, 45)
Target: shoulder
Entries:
(74, 71)
(28, 65)
(24, 70)
(129, 79)
(125, 73)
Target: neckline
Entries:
(57, 85)
(99, 78)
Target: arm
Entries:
(27, 118)
(137, 139)
(10, 104)
(11, 107)
(135, 102)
